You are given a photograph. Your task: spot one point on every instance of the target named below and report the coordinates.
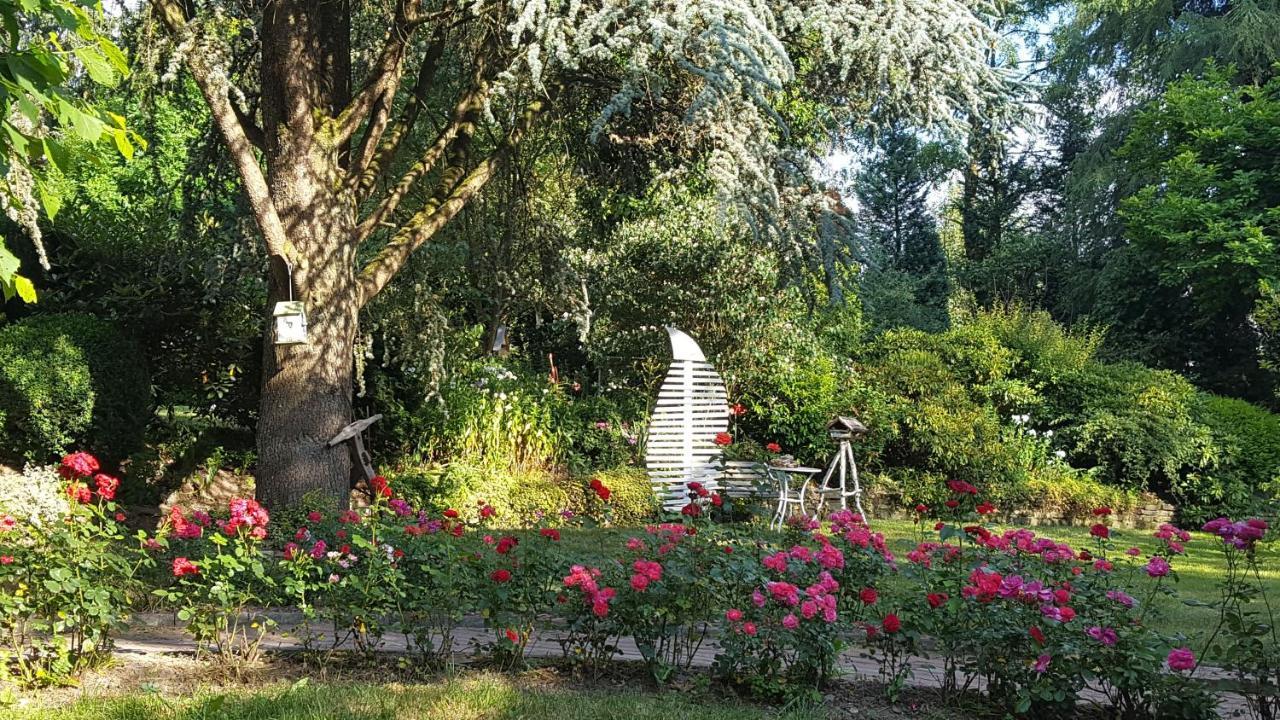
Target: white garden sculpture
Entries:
(691, 408)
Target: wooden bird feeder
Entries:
(291, 323)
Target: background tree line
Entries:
(1113, 166)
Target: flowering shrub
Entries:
(584, 605)
(1245, 636)
(1028, 620)
(66, 580)
(35, 496)
(1036, 621)
(220, 579)
(520, 581)
(785, 637)
(675, 584)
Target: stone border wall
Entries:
(1150, 512)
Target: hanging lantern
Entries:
(291, 322)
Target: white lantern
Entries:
(291, 323)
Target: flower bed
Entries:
(1028, 620)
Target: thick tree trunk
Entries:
(306, 389)
(306, 395)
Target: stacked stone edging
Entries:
(1150, 512)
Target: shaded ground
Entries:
(155, 660)
(169, 687)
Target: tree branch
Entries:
(454, 192)
(252, 132)
(214, 86)
(461, 124)
(380, 88)
(374, 154)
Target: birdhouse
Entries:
(291, 322)
(845, 427)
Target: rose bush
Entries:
(784, 633)
(1028, 621)
(66, 579)
(221, 580)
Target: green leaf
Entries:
(9, 263)
(122, 143)
(57, 154)
(99, 69)
(49, 198)
(25, 289)
(114, 55)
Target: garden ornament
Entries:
(692, 407)
(354, 434)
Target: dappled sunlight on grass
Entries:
(485, 696)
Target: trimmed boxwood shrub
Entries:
(71, 381)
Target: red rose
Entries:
(773, 447)
(314, 517)
(723, 439)
(550, 533)
(6, 559)
(487, 511)
(106, 485)
(921, 508)
(380, 486)
(1037, 635)
(936, 600)
(953, 504)
(398, 553)
(513, 636)
(500, 576)
(120, 517)
(601, 491)
(891, 623)
(986, 508)
(183, 566)
(692, 510)
(1102, 511)
(1100, 531)
(78, 492)
(451, 513)
(737, 410)
(717, 500)
(78, 465)
(868, 596)
(506, 544)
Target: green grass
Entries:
(488, 696)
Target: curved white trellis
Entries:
(692, 407)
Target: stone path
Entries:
(158, 633)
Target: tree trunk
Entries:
(306, 395)
(306, 388)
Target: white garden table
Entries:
(789, 497)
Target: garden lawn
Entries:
(1197, 572)
(488, 696)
